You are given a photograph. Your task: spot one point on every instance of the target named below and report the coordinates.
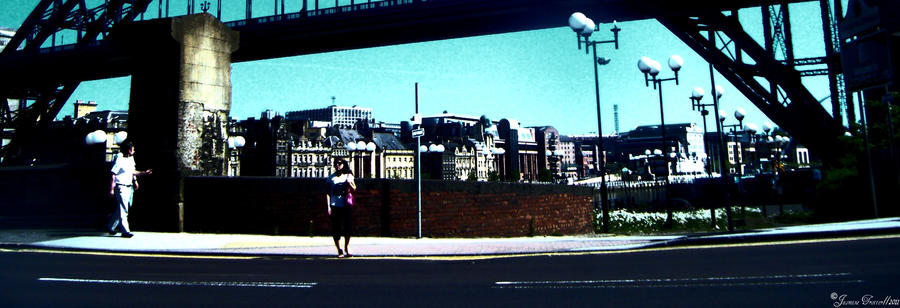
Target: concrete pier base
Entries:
(180, 102)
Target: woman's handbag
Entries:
(349, 198)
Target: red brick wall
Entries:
(291, 206)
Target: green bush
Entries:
(624, 221)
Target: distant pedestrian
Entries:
(341, 185)
(122, 185)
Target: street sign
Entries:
(418, 132)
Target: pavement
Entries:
(244, 245)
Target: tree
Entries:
(493, 176)
(473, 177)
(514, 176)
(544, 175)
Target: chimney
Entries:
(82, 108)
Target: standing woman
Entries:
(339, 209)
(122, 185)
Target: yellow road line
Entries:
(128, 254)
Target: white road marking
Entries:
(254, 284)
(692, 285)
(681, 282)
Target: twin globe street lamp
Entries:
(99, 136)
(234, 143)
(651, 69)
(696, 104)
(739, 115)
(362, 147)
(583, 28)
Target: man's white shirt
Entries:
(123, 168)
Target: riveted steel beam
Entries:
(791, 106)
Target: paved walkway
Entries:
(244, 245)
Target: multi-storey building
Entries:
(310, 158)
(336, 116)
(549, 140)
(749, 154)
(468, 144)
(569, 166)
(395, 160)
(684, 145)
(587, 151)
(372, 154)
(521, 151)
(459, 161)
(267, 148)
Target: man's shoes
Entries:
(111, 232)
(127, 235)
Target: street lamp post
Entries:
(696, 96)
(767, 128)
(361, 161)
(234, 147)
(780, 142)
(433, 149)
(752, 158)
(417, 120)
(696, 104)
(370, 165)
(739, 115)
(738, 159)
(752, 140)
(351, 148)
(651, 69)
(583, 28)
(359, 164)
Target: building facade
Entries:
(336, 116)
(394, 159)
(467, 151)
(310, 158)
(684, 146)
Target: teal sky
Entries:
(536, 77)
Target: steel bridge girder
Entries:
(800, 115)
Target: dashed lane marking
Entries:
(724, 281)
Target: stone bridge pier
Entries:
(178, 112)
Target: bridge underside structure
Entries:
(44, 78)
(44, 90)
(781, 96)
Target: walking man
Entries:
(122, 185)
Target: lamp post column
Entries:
(708, 165)
(740, 158)
(604, 191)
(418, 163)
(651, 69)
(662, 128)
(723, 166)
(696, 97)
(584, 27)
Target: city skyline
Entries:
(536, 77)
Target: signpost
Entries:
(417, 133)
